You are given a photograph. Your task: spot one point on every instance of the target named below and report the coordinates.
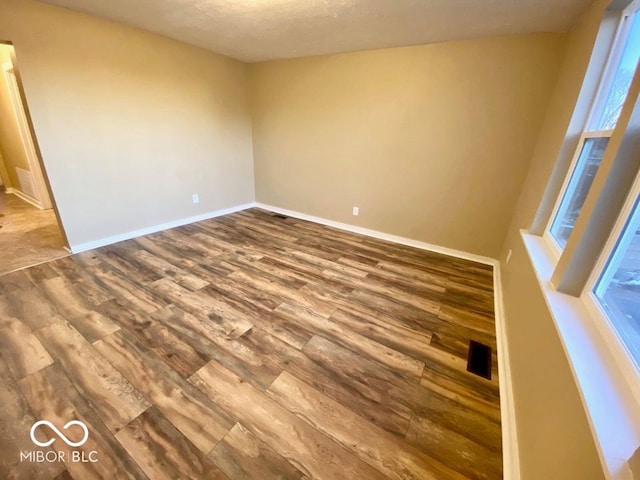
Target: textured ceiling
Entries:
(257, 30)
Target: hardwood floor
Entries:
(28, 236)
(251, 347)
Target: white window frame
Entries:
(611, 254)
(607, 376)
(608, 74)
(557, 248)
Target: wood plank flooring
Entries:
(251, 347)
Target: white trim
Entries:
(597, 133)
(26, 136)
(610, 406)
(24, 196)
(612, 241)
(563, 191)
(562, 203)
(510, 453)
(609, 70)
(601, 275)
(511, 460)
(382, 236)
(83, 247)
(606, 78)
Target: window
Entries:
(602, 120)
(617, 288)
(593, 290)
(591, 152)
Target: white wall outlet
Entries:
(196, 198)
(509, 256)
(356, 211)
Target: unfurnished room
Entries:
(320, 239)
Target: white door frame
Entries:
(44, 199)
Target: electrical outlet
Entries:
(356, 211)
(509, 256)
(195, 198)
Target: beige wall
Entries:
(130, 124)
(11, 149)
(554, 437)
(431, 142)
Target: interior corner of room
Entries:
(450, 147)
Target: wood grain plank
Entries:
(310, 451)
(234, 321)
(162, 452)
(374, 332)
(471, 459)
(15, 424)
(383, 354)
(21, 349)
(368, 400)
(53, 397)
(30, 306)
(129, 289)
(211, 343)
(243, 456)
(114, 397)
(386, 331)
(10, 282)
(184, 406)
(372, 444)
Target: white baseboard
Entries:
(510, 453)
(509, 437)
(382, 236)
(25, 197)
(83, 247)
(511, 460)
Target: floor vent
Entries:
(281, 217)
(479, 360)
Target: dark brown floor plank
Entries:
(185, 407)
(162, 452)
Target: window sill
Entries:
(612, 410)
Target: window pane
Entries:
(618, 289)
(624, 72)
(579, 185)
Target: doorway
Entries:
(30, 230)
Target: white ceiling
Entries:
(258, 30)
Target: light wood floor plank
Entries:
(115, 398)
(15, 424)
(243, 456)
(372, 444)
(53, 397)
